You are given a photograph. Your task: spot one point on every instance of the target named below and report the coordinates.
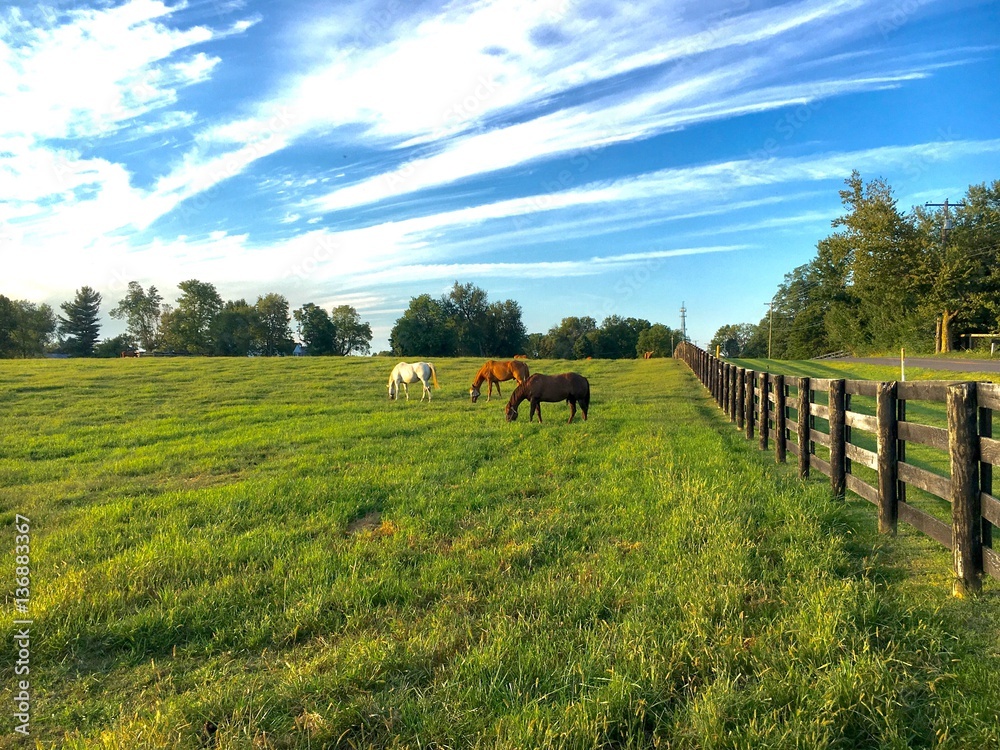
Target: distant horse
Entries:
(493, 372)
(647, 355)
(404, 373)
(130, 353)
(520, 356)
(568, 386)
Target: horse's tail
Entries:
(434, 375)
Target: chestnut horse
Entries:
(493, 372)
(569, 386)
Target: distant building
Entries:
(299, 351)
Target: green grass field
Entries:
(269, 554)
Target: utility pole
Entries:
(770, 314)
(684, 335)
(947, 225)
(947, 315)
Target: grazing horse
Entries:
(493, 372)
(404, 373)
(568, 386)
(647, 355)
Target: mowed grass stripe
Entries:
(273, 547)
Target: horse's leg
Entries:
(572, 408)
(426, 391)
(406, 391)
(536, 406)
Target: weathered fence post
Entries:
(838, 464)
(765, 407)
(966, 507)
(986, 470)
(749, 407)
(726, 387)
(711, 376)
(802, 407)
(888, 469)
(732, 393)
(741, 399)
(717, 382)
(780, 438)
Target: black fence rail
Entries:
(858, 433)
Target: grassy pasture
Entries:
(271, 547)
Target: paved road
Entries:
(930, 363)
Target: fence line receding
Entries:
(857, 433)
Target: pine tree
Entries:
(80, 326)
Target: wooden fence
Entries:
(789, 412)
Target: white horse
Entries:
(404, 373)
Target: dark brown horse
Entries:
(493, 372)
(569, 386)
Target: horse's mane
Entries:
(481, 376)
(520, 393)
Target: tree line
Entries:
(464, 322)
(200, 322)
(885, 279)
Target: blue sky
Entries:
(582, 157)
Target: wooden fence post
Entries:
(888, 469)
(741, 399)
(732, 393)
(717, 382)
(780, 438)
(765, 408)
(838, 464)
(986, 470)
(727, 376)
(802, 406)
(966, 506)
(749, 407)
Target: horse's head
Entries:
(392, 390)
(511, 412)
(474, 393)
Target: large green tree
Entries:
(188, 327)
(561, 340)
(424, 329)
(877, 247)
(732, 339)
(273, 336)
(351, 334)
(658, 339)
(617, 338)
(315, 329)
(505, 329)
(466, 305)
(958, 275)
(141, 310)
(234, 329)
(25, 328)
(80, 325)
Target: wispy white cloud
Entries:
(533, 269)
(75, 79)
(93, 71)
